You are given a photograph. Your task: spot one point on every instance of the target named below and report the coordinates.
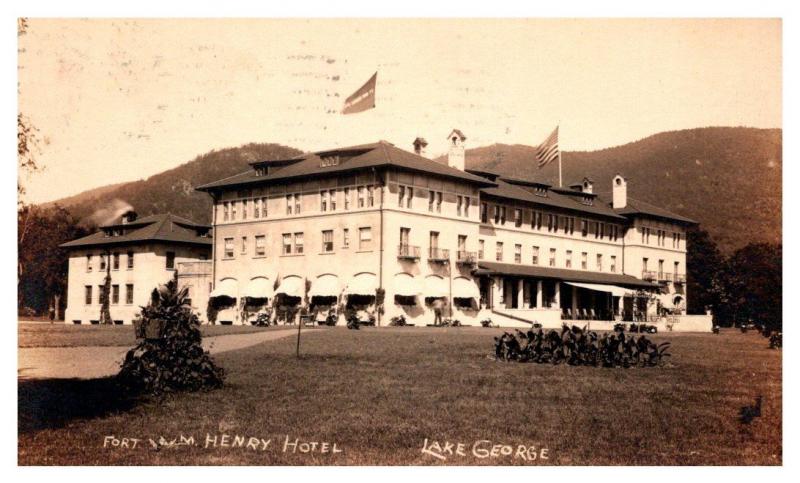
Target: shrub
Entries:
(172, 358)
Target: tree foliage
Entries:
(751, 286)
(703, 270)
(175, 361)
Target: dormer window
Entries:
(588, 200)
(263, 171)
(540, 191)
(332, 160)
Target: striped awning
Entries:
(406, 285)
(612, 289)
(435, 287)
(258, 288)
(464, 288)
(291, 286)
(225, 288)
(325, 286)
(362, 284)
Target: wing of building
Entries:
(139, 254)
(357, 228)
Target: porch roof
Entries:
(497, 268)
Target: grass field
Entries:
(68, 335)
(379, 393)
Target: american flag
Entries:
(548, 150)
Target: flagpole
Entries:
(560, 185)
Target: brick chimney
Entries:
(455, 155)
(619, 191)
(419, 146)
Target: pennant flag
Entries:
(548, 150)
(362, 99)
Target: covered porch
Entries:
(550, 294)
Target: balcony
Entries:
(649, 275)
(407, 252)
(438, 255)
(466, 258)
(679, 278)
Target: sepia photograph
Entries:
(522, 241)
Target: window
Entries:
(323, 201)
(678, 241)
(233, 210)
(550, 222)
(129, 294)
(115, 294)
(332, 194)
(261, 245)
(644, 264)
(484, 213)
(365, 238)
(89, 262)
(599, 262)
(459, 202)
(405, 235)
(570, 222)
(496, 214)
(552, 257)
(88, 295)
(433, 240)
(613, 266)
(245, 207)
(462, 243)
(517, 217)
(103, 262)
(661, 269)
(602, 230)
(115, 261)
(568, 259)
(676, 271)
(466, 206)
(170, 260)
(130, 260)
(346, 238)
(537, 220)
(535, 255)
(647, 235)
(401, 193)
(257, 208)
(361, 196)
(502, 215)
(347, 198)
(517, 253)
(226, 211)
(499, 253)
(439, 202)
(584, 227)
(370, 196)
(228, 248)
(327, 241)
(584, 260)
(296, 204)
(100, 296)
(264, 210)
(431, 199)
(597, 229)
(410, 197)
(289, 204)
(287, 243)
(244, 245)
(298, 243)
(481, 246)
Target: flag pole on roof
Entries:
(549, 151)
(363, 98)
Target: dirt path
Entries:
(93, 362)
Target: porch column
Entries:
(520, 294)
(574, 302)
(497, 291)
(557, 302)
(538, 294)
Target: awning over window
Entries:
(291, 286)
(406, 285)
(325, 286)
(464, 288)
(258, 288)
(362, 284)
(225, 288)
(612, 289)
(435, 287)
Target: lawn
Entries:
(379, 393)
(69, 335)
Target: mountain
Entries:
(727, 178)
(172, 190)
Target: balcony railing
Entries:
(438, 255)
(680, 278)
(466, 258)
(194, 268)
(408, 252)
(649, 275)
(664, 277)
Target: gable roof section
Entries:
(375, 155)
(163, 228)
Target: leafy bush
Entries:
(173, 359)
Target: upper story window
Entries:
(536, 220)
(170, 260)
(130, 260)
(228, 248)
(499, 252)
(115, 261)
(481, 246)
(540, 191)
(287, 243)
(535, 255)
(552, 257)
(87, 295)
(261, 245)
(244, 245)
(502, 215)
(245, 208)
(89, 262)
(439, 197)
(459, 203)
(467, 202)
(332, 160)
(370, 195)
(517, 217)
(431, 199)
(599, 262)
(613, 266)
(518, 253)
(103, 261)
(327, 241)
(584, 260)
(298, 243)
(409, 196)
(323, 201)
(289, 204)
(568, 259)
(233, 210)
(332, 196)
(226, 211)
(584, 227)
(362, 196)
(496, 214)
(484, 213)
(365, 238)
(347, 198)
(346, 238)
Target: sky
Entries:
(119, 100)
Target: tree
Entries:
(752, 286)
(703, 268)
(41, 265)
